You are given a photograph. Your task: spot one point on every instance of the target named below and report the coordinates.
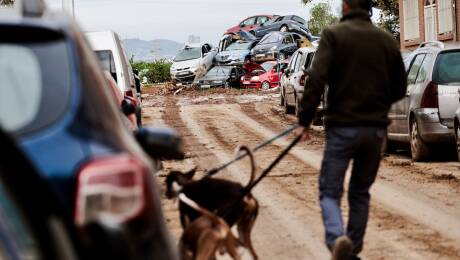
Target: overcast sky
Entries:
(176, 19)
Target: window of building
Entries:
(411, 19)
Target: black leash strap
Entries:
(258, 147)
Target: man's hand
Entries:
(304, 131)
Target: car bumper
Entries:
(211, 85)
(430, 127)
(250, 84)
(264, 56)
(184, 77)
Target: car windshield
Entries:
(271, 38)
(35, 79)
(219, 71)
(188, 54)
(268, 66)
(239, 46)
(447, 69)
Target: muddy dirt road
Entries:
(415, 211)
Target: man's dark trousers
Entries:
(343, 144)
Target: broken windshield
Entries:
(239, 46)
(188, 54)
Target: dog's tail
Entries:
(253, 163)
(189, 202)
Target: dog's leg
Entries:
(246, 223)
(207, 245)
(231, 244)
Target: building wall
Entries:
(448, 38)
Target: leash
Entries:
(258, 147)
(235, 203)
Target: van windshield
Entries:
(188, 54)
(35, 79)
(447, 69)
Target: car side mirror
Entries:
(160, 143)
(128, 106)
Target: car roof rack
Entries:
(432, 44)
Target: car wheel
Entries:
(287, 108)
(282, 56)
(297, 106)
(284, 28)
(457, 138)
(265, 85)
(281, 96)
(419, 149)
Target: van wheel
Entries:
(457, 138)
(265, 85)
(284, 28)
(287, 108)
(419, 149)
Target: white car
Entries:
(192, 60)
(110, 51)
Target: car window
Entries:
(249, 22)
(293, 61)
(414, 68)
(298, 19)
(108, 63)
(447, 68)
(299, 62)
(35, 79)
(271, 38)
(188, 54)
(16, 239)
(289, 39)
(262, 19)
(268, 66)
(424, 69)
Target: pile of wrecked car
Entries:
(252, 54)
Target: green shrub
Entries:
(156, 71)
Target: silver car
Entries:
(426, 115)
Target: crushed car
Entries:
(221, 76)
(275, 45)
(191, 61)
(250, 23)
(236, 53)
(264, 76)
(288, 23)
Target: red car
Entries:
(264, 76)
(250, 23)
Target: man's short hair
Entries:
(365, 5)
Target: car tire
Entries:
(457, 139)
(265, 85)
(284, 28)
(419, 149)
(287, 108)
(281, 96)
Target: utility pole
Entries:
(69, 6)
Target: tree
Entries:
(6, 2)
(389, 16)
(320, 17)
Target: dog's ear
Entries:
(189, 175)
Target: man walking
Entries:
(363, 68)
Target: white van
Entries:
(107, 46)
(192, 60)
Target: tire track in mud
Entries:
(416, 243)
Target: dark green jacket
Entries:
(363, 68)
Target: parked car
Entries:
(33, 225)
(221, 76)
(264, 76)
(111, 53)
(236, 53)
(190, 60)
(56, 103)
(275, 45)
(228, 39)
(457, 130)
(293, 83)
(250, 23)
(128, 105)
(288, 23)
(426, 115)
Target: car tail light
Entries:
(110, 188)
(302, 80)
(129, 93)
(430, 96)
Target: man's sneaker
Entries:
(342, 249)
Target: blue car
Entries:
(56, 103)
(236, 53)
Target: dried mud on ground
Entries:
(415, 212)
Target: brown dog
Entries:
(229, 200)
(207, 234)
